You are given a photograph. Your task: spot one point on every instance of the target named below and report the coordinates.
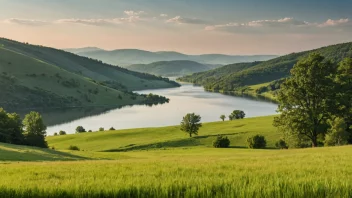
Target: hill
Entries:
(231, 77)
(34, 76)
(81, 50)
(170, 68)
(125, 57)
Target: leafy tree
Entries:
(256, 142)
(90, 131)
(10, 128)
(112, 129)
(221, 142)
(337, 134)
(305, 98)
(56, 134)
(101, 129)
(35, 130)
(281, 144)
(344, 80)
(80, 129)
(62, 133)
(223, 117)
(237, 114)
(191, 124)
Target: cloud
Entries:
(183, 20)
(163, 15)
(29, 22)
(134, 13)
(331, 22)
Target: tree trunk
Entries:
(190, 134)
(314, 142)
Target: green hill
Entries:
(34, 76)
(231, 77)
(170, 68)
(126, 57)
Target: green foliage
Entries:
(56, 134)
(62, 133)
(112, 129)
(305, 98)
(281, 144)
(80, 129)
(191, 124)
(10, 128)
(237, 114)
(35, 130)
(73, 148)
(337, 134)
(221, 142)
(256, 142)
(223, 117)
(101, 129)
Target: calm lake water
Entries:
(185, 99)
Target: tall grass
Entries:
(200, 172)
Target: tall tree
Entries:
(191, 124)
(10, 128)
(35, 130)
(305, 98)
(344, 89)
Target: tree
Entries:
(80, 129)
(191, 124)
(62, 133)
(344, 80)
(281, 144)
(10, 128)
(112, 129)
(237, 114)
(337, 134)
(35, 130)
(256, 142)
(305, 99)
(56, 134)
(223, 117)
(221, 142)
(101, 129)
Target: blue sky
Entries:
(190, 26)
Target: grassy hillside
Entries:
(262, 72)
(168, 137)
(112, 76)
(170, 68)
(126, 57)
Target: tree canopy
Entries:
(191, 124)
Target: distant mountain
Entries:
(126, 57)
(231, 77)
(35, 76)
(171, 68)
(82, 50)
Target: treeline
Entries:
(30, 131)
(233, 77)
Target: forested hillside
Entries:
(231, 77)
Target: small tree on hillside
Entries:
(62, 133)
(223, 117)
(256, 142)
(80, 129)
(35, 130)
(191, 124)
(237, 114)
(221, 142)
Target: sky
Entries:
(235, 27)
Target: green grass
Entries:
(165, 137)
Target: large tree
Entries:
(10, 128)
(35, 130)
(191, 124)
(306, 98)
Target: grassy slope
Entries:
(89, 68)
(168, 137)
(225, 79)
(170, 68)
(29, 75)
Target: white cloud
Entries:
(183, 20)
(163, 15)
(331, 22)
(134, 13)
(29, 22)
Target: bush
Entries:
(101, 129)
(256, 142)
(73, 148)
(80, 129)
(281, 144)
(55, 134)
(62, 133)
(112, 129)
(90, 131)
(337, 134)
(221, 142)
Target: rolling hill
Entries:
(35, 76)
(170, 68)
(126, 57)
(232, 77)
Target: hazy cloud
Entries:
(163, 15)
(27, 22)
(183, 20)
(331, 22)
(134, 13)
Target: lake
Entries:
(185, 99)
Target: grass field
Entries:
(164, 162)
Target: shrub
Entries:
(73, 148)
(112, 129)
(256, 142)
(80, 129)
(221, 142)
(237, 114)
(101, 129)
(281, 144)
(55, 134)
(90, 131)
(62, 133)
